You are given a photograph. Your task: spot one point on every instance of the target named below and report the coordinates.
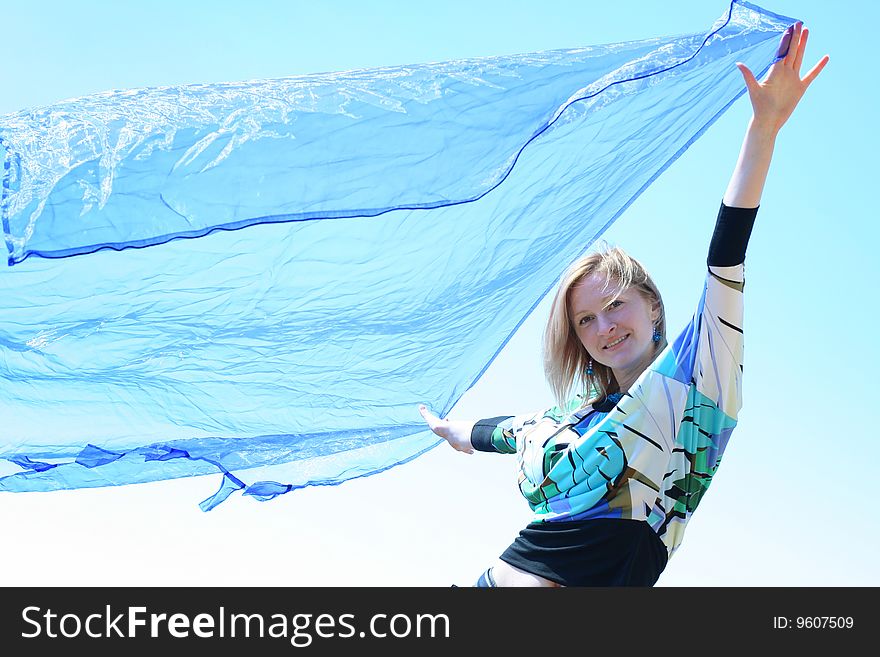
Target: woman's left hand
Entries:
(774, 99)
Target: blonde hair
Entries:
(565, 358)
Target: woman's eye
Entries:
(584, 320)
(615, 304)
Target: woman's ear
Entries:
(655, 311)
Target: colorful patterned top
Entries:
(652, 456)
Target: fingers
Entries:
(751, 81)
(815, 71)
(442, 428)
(800, 38)
(802, 46)
(794, 45)
(430, 418)
(785, 43)
(436, 424)
(428, 415)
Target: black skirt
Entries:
(600, 552)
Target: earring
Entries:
(589, 370)
(656, 336)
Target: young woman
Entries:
(613, 475)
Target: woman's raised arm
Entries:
(773, 101)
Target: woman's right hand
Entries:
(456, 432)
(774, 99)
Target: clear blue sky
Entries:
(793, 503)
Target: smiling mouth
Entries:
(616, 343)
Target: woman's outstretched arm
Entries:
(773, 101)
(494, 434)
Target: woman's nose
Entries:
(606, 326)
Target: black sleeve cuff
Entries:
(481, 434)
(731, 237)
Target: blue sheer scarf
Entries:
(264, 279)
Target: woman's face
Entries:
(617, 332)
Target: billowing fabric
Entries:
(651, 456)
(325, 252)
